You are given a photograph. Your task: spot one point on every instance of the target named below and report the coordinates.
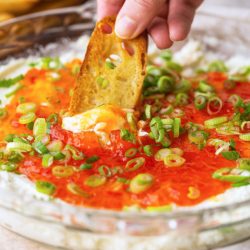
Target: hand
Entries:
(166, 21)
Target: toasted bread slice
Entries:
(112, 72)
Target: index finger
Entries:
(108, 7)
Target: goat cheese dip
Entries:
(185, 147)
(145, 157)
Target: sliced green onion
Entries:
(47, 160)
(62, 171)
(45, 139)
(198, 137)
(86, 166)
(200, 102)
(167, 123)
(243, 163)
(76, 154)
(123, 180)
(177, 113)
(245, 137)
(27, 107)
(67, 156)
(18, 146)
(173, 66)
(153, 70)
(51, 63)
(95, 181)
(76, 190)
(181, 99)
(45, 187)
(141, 183)
(134, 164)
(156, 127)
(166, 55)
(102, 82)
(165, 84)
(40, 127)
(173, 160)
(212, 123)
(6, 83)
(3, 113)
(214, 105)
(93, 159)
(158, 132)
(193, 193)
(9, 138)
(228, 129)
(177, 151)
(131, 121)
(217, 66)
(220, 145)
(55, 146)
(162, 154)
(22, 138)
(15, 157)
(182, 86)
(109, 64)
(40, 148)
(245, 126)
(148, 110)
(176, 127)
(240, 184)
(117, 170)
(27, 118)
(205, 87)
(168, 110)
(148, 150)
(131, 152)
(235, 100)
(232, 175)
(232, 144)
(58, 156)
(30, 126)
(53, 119)
(231, 155)
(8, 166)
(127, 136)
(105, 171)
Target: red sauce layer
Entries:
(171, 184)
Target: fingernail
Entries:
(125, 27)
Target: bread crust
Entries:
(120, 85)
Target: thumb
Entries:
(135, 16)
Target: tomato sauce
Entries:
(171, 185)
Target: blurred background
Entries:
(12, 8)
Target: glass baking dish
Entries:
(63, 225)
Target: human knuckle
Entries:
(147, 4)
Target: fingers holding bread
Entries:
(112, 72)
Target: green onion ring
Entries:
(212, 102)
(27, 118)
(212, 123)
(134, 164)
(245, 137)
(131, 152)
(200, 102)
(231, 175)
(105, 171)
